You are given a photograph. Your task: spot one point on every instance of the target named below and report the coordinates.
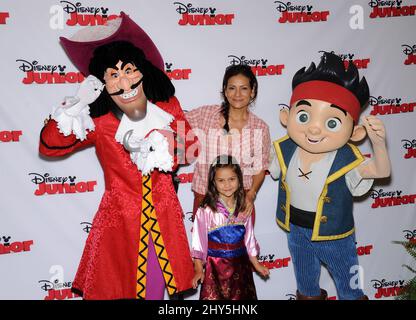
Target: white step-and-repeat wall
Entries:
(42, 235)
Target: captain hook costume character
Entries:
(126, 108)
(319, 172)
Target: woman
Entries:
(232, 129)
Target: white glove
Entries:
(90, 89)
(88, 92)
(72, 115)
(151, 153)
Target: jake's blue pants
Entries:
(339, 256)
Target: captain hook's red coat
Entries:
(108, 267)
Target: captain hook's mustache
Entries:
(121, 91)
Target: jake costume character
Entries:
(320, 171)
(126, 108)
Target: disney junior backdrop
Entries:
(42, 235)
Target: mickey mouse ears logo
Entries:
(6, 240)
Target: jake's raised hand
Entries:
(375, 129)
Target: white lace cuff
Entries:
(73, 117)
(151, 153)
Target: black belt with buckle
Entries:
(302, 218)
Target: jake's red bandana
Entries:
(329, 92)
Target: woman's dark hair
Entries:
(212, 196)
(232, 71)
(332, 69)
(156, 84)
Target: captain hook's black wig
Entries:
(156, 84)
(332, 69)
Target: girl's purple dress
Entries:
(224, 243)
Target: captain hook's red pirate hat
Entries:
(81, 46)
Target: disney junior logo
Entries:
(364, 250)
(410, 234)
(270, 262)
(380, 100)
(384, 3)
(185, 177)
(48, 184)
(385, 106)
(56, 287)
(176, 73)
(409, 49)
(293, 13)
(410, 52)
(194, 16)
(386, 288)
(387, 9)
(260, 67)
(47, 73)
(86, 16)
(384, 198)
(86, 226)
(26, 66)
(47, 178)
(360, 63)
(410, 147)
(7, 246)
(47, 285)
(10, 136)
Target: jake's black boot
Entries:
(322, 296)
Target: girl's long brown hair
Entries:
(212, 195)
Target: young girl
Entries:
(223, 239)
